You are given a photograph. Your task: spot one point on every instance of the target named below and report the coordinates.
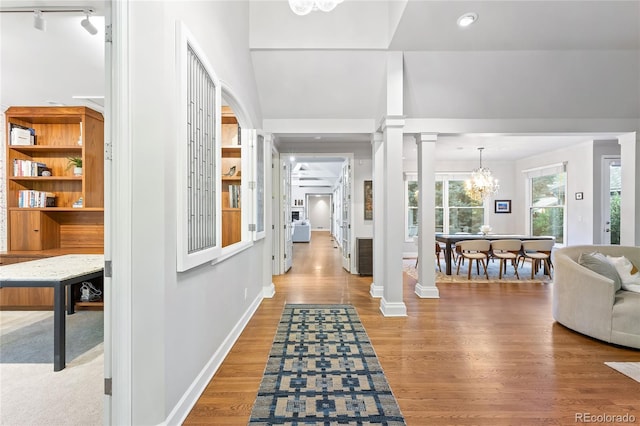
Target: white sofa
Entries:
(587, 302)
(301, 231)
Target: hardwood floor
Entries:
(482, 354)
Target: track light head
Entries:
(87, 25)
(38, 21)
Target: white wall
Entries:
(179, 320)
(319, 208)
(522, 84)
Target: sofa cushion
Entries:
(625, 323)
(624, 267)
(598, 263)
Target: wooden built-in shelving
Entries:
(36, 232)
(231, 157)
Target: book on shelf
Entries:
(32, 199)
(234, 196)
(22, 135)
(28, 168)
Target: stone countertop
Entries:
(58, 268)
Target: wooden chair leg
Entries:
(515, 268)
(533, 267)
(439, 267)
(501, 264)
(469, 270)
(548, 263)
(484, 265)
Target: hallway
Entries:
(482, 354)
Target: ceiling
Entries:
(340, 69)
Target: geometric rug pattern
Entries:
(323, 370)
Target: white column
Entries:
(426, 285)
(630, 200)
(377, 154)
(392, 303)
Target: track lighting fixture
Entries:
(38, 21)
(87, 25)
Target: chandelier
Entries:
(304, 7)
(481, 185)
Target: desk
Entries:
(451, 239)
(57, 272)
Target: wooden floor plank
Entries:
(482, 354)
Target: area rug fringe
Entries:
(322, 369)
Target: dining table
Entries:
(451, 239)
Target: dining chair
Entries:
(455, 252)
(506, 250)
(538, 251)
(477, 250)
(438, 251)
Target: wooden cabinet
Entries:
(72, 221)
(364, 249)
(231, 175)
(32, 230)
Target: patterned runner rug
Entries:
(323, 370)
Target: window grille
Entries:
(201, 164)
(197, 154)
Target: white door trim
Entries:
(118, 237)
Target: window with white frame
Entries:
(547, 188)
(455, 211)
(198, 159)
(260, 180)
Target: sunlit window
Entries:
(547, 204)
(455, 211)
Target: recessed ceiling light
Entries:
(317, 137)
(467, 19)
(292, 158)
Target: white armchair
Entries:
(301, 231)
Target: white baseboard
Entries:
(269, 292)
(427, 292)
(190, 397)
(395, 309)
(376, 291)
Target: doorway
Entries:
(611, 195)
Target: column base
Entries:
(376, 291)
(427, 292)
(389, 309)
(269, 292)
